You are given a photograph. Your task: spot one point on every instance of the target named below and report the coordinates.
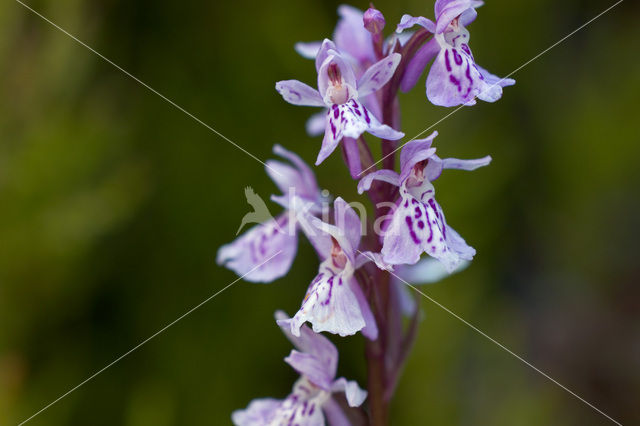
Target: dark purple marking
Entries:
(328, 299)
(293, 92)
(417, 212)
(406, 204)
(456, 82)
(336, 111)
(414, 237)
(420, 224)
(456, 57)
(446, 60)
(366, 115)
(311, 410)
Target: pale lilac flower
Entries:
(418, 224)
(356, 44)
(310, 401)
(334, 301)
(454, 78)
(254, 255)
(340, 91)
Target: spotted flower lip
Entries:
(454, 78)
(340, 91)
(334, 301)
(266, 251)
(315, 358)
(417, 224)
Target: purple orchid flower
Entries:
(356, 43)
(340, 91)
(311, 399)
(454, 78)
(334, 301)
(247, 256)
(418, 224)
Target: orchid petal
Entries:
(419, 226)
(308, 50)
(447, 10)
(378, 74)
(259, 412)
(436, 165)
(334, 413)
(316, 123)
(308, 365)
(370, 329)
(418, 63)
(346, 73)
(262, 254)
(384, 175)
(454, 78)
(365, 257)
(427, 271)
(304, 180)
(302, 407)
(492, 89)
(330, 305)
(352, 154)
(355, 395)
(351, 119)
(297, 93)
(409, 21)
(351, 35)
(414, 152)
(348, 222)
(325, 47)
(303, 213)
(312, 343)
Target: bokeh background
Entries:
(113, 204)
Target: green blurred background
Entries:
(113, 204)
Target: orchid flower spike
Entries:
(454, 78)
(417, 224)
(311, 399)
(266, 251)
(340, 91)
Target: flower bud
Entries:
(374, 21)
